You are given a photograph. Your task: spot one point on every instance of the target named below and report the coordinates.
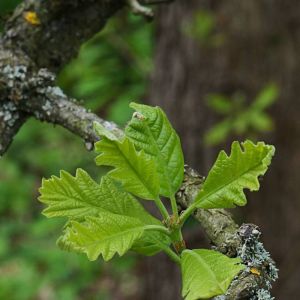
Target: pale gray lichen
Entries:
(222, 297)
(254, 255)
(9, 113)
(262, 294)
(14, 78)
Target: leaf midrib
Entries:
(161, 157)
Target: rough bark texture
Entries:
(64, 26)
(26, 47)
(32, 48)
(261, 44)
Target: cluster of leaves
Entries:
(240, 119)
(146, 163)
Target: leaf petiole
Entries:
(158, 228)
(172, 255)
(184, 216)
(161, 208)
(174, 206)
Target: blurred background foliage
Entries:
(111, 70)
(240, 118)
(203, 28)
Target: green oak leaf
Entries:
(151, 131)
(136, 170)
(230, 175)
(73, 197)
(207, 273)
(149, 243)
(105, 235)
(80, 196)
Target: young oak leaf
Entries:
(230, 175)
(207, 273)
(136, 170)
(80, 196)
(73, 197)
(151, 131)
(105, 235)
(120, 202)
(64, 243)
(150, 243)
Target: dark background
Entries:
(222, 70)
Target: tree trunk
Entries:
(261, 44)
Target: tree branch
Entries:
(54, 37)
(46, 34)
(47, 38)
(47, 102)
(36, 45)
(38, 96)
(11, 120)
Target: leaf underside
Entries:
(230, 175)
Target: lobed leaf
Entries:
(80, 196)
(207, 273)
(137, 171)
(151, 131)
(230, 175)
(73, 197)
(105, 235)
